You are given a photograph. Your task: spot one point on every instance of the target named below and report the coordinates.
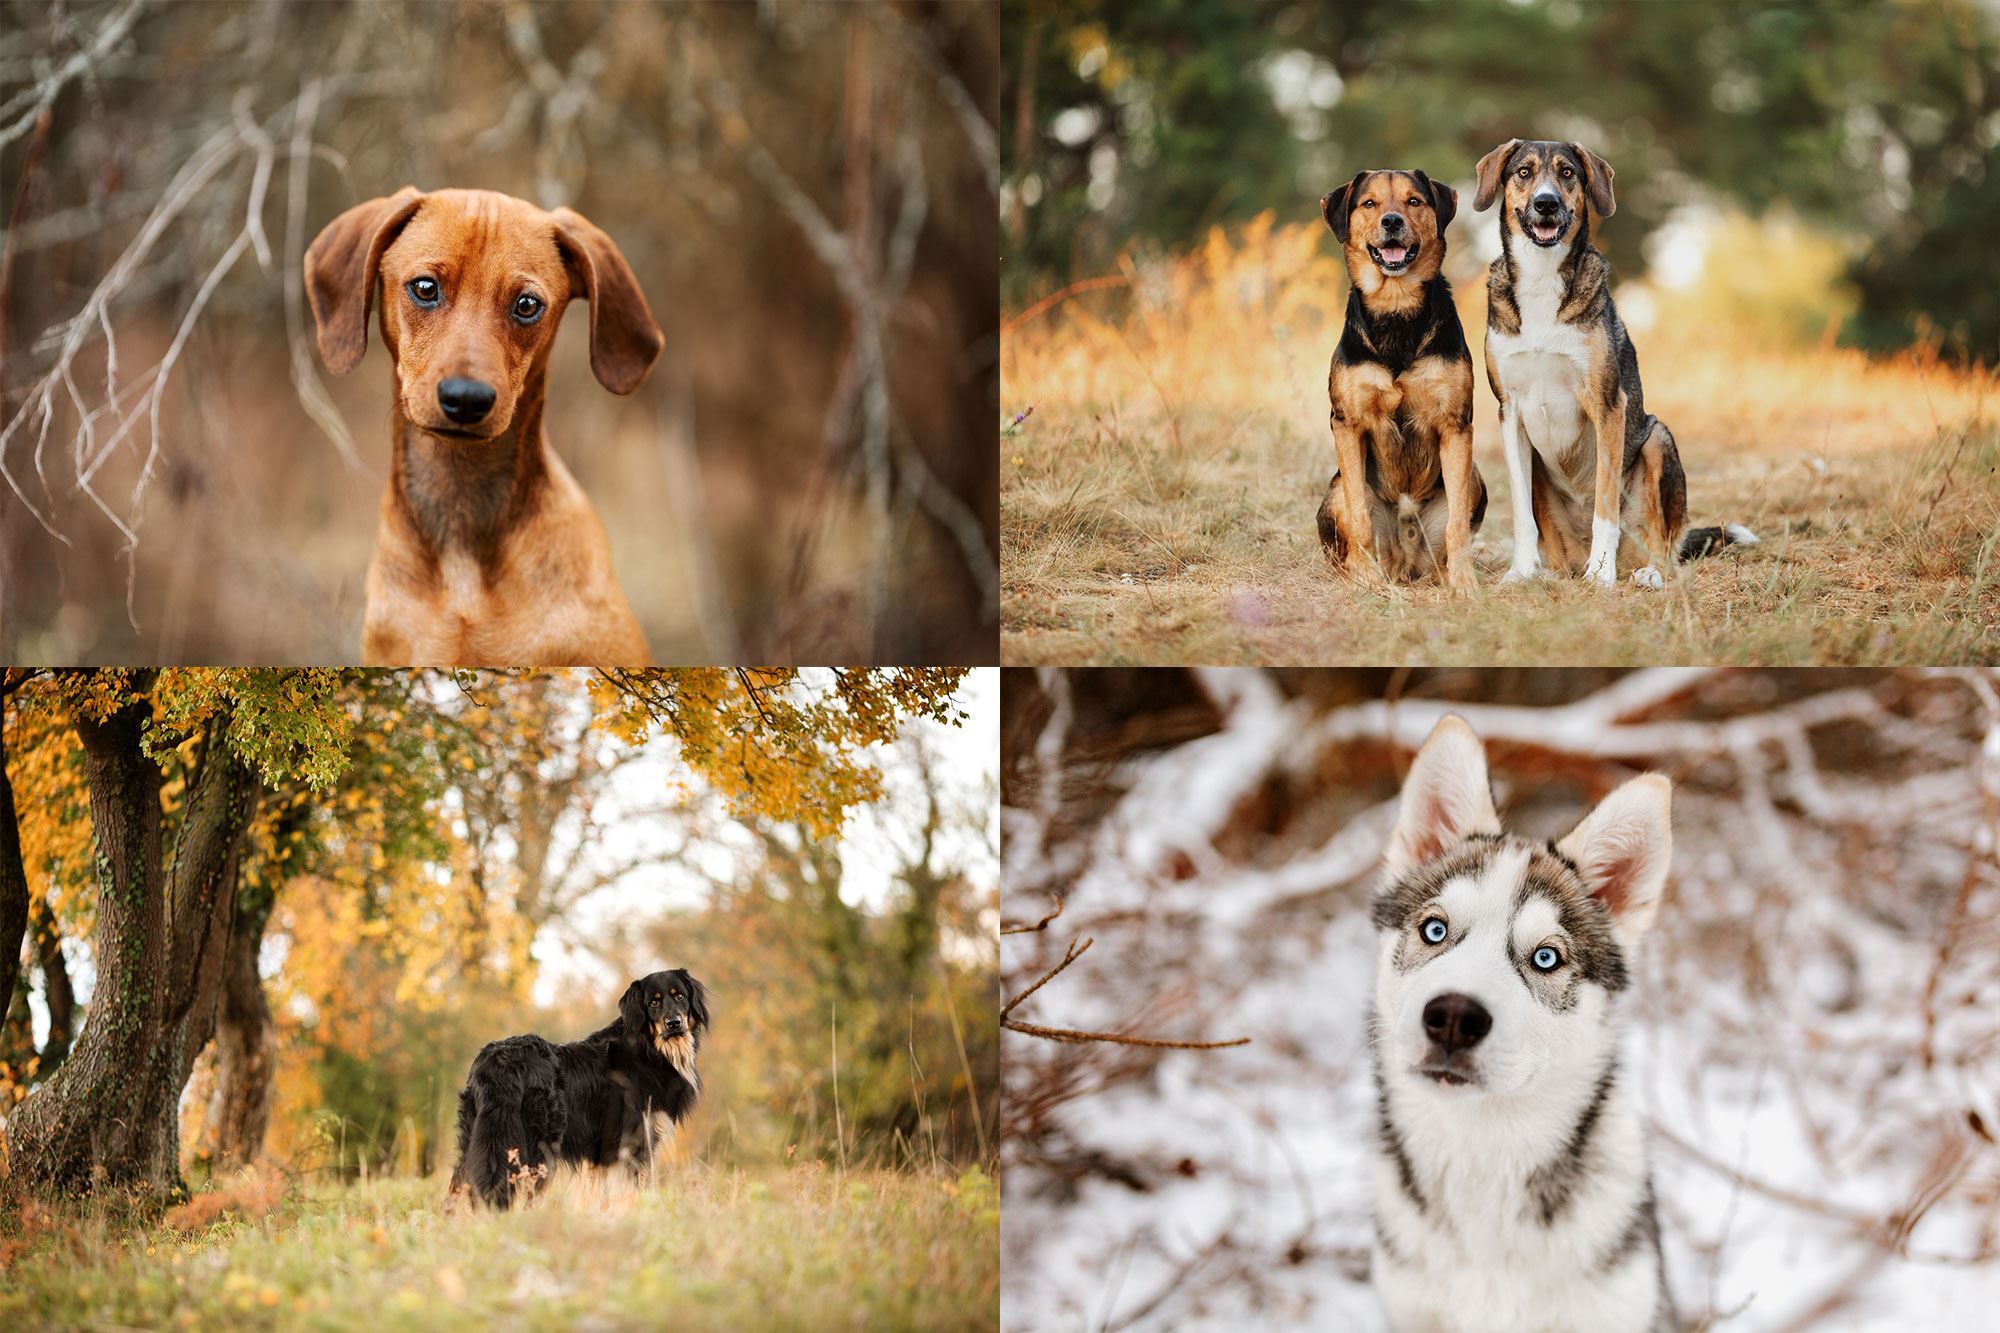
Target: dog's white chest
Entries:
(1542, 367)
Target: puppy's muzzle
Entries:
(465, 402)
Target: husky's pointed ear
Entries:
(1489, 171)
(1444, 798)
(1623, 849)
(632, 1014)
(1597, 176)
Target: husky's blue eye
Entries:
(1546, 959)
(1433, 931)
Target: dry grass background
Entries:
(1157, 502)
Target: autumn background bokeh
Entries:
(275, 977)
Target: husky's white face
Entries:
(1500, 956)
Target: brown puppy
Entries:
(1573, 420)
(1401, 390)
(488, 553)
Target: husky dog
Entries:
(1511, 1183)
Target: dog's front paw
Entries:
(1648, 577)
(1525, 573)
(1458, 575)
(1603, 571)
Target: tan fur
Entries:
(488, 553)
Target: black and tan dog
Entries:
(1573, 421)
(1401, 390)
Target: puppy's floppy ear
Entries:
(632, 1013)
(1597, 174)
(1335, 207)
(1623, 849)
(624, 340)
(342, 264)
(1443, 199)
(1490, 169)
(1444, 799)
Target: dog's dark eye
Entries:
(527, 308)
(656, 999)
(425, 291)
(1368, 203)
(1525, 172)
(1416, 202)
(1433, 930)
(1545, 959)
(1566, 173)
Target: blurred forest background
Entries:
(1803, 248)
(806, 192)
(1876, 122)
(1813, 1042)
(350, 881)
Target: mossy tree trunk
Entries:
(108, 1116)
(246, 1045)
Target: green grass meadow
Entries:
(804, 1248)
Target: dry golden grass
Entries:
(1158, 503)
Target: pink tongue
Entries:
(1393, 254)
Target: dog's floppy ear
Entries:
(1334, 207)
(1443, 199)
(624, 340)
(1490, 169)
(697, 1001)
(632, 1014)
(341, 267)
(1597, 176)
(1623, 849)
(1445, 798)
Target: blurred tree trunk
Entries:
(13, 876)
(246, 1046)
(108, 1117)
(57, 993)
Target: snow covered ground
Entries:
(1816, 1026)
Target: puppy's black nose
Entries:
(1456, 1022)
(1547, 204)
(1392, 222)
(465, 401)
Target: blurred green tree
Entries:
(1141, 123)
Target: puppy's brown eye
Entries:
(1525, 172)
(1368, 203)
(1416, 202)
(527, 308)
(425, 291)
(1566, 173)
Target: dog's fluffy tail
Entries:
(1698, 542)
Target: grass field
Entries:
(1158, 501)
(799, 1249)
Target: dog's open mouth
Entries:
(1393, 259)
(1545, 233)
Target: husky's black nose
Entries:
(1456, 1022)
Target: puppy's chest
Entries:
(1545, 362)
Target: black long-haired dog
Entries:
(610, 1098)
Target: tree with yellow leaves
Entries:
(192, 776)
